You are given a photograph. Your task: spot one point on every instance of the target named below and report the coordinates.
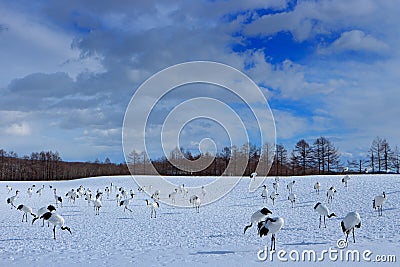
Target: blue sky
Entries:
(69, 68)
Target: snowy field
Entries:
(213, 237)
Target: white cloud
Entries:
(34, 46)
(356, 40)
(124, 45)
(19, 129)
(288, 77)
(289, 125)
(312, 18)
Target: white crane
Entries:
(9, 188)
(275, 185)
(290, 185)
(323, 211)
(27, 210)
(43, 210)
(126, 202)
(11, 200)
(257, 217)
(273, 196)
(351, 221)
(195, 200)
(264, 194)
(292, 198)
(153, 205)
(97, 203)
(203, 191)
(345, 180)
(172, 195)
(270, 226)
(56, 220)
(57, 197)
(30, 191)
(378, 201)
(39, 191)
(317, 186)
(331, 193)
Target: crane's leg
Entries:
(54, 231)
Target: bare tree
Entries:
(133, 160)
(281, 158)
(302, 155)
(325, 155)
(376, 153)
(319, 156)
(332, 156)
(266, 158)
(387, 154)
(395, 159)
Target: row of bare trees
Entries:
(48, 165)
(318, 157)
(381, 158)
(321, 157)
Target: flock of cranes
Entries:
(271, 225)
(124, 197)
(262, 219)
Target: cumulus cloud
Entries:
(309, 19)
(357, 41)
(288, 79)
(35, 46)
(19, 129)
(71, 68)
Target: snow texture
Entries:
(213, 237)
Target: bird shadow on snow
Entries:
(305, 243)
(389, 209)
(215, 236)
(394, 192)
(214, 252)
(22, 239)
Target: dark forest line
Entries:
(319, 157)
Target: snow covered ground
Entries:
(213, 237)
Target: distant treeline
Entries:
(48, 165)
(319, 157)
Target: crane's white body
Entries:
(292, 199)
(27, 210)
(290, 185)
(317, 186)
(378, 202)
(273, 196)
(264, 194)
(323, 210)
(270, 226)
(351, 221)
(154, 206)
(258, 216)
(56, 220)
